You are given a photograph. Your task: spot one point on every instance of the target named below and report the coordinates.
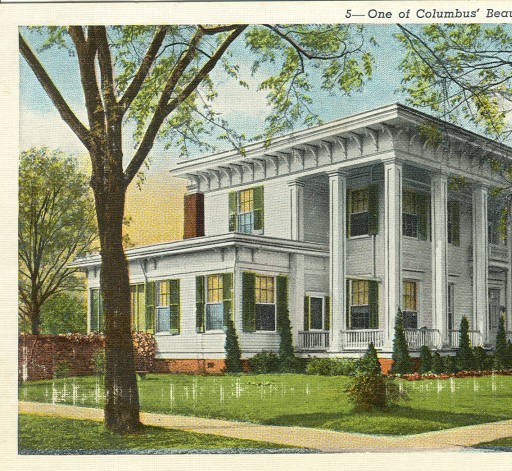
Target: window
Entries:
(214, 294)
(138, 307)
(168, 306)
(363, 211)
(96, 314)
(362, 304)
(453, 223)
(316, 312)
(416, 208)
(451, 305)
(410, 304)
(264, 297)
(214, 307)
(246, 210)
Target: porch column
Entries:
(337, 255)
(439, 255)
(480, 262)
(297, 209)
(296, 287)
(508, 320)
(392, 246)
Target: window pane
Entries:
(360, 317)
(359, 224)
(174, 318)
(359, 201)
(214, 289)
(246, 201)
(265, 317)
(246, 223)
(316, 313)
(410, 225)
(163, 319)
(214, 316)
(163, 293)
(359, 293)
(410, 301)
(410, 320)
(264, 289)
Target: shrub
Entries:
(287, 360)
(437, 363)
(425, 359)
(401, 357)
(450, 365)
(99, 362)
(232, 348)
(482, 361)
(332, 366)
(464, 356)
(369, 363)
(501, 353)
(264, 362)
(144, 347)
(62, 370)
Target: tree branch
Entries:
(51, 90)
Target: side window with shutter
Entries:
(200, 304)
(150, 307)
(175, 306)
(227, 298)
(248, 302)
(246, 210)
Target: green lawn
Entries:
(52, 435)
(502, 444)
(302, 400)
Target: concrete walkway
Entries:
(318, 439)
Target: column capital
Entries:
(339, 172)
(393, 161)
(296, 182)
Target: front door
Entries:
(494, 312)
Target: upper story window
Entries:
(453, 223)
(415, 211)
(316, 312)
(246, 210)
(410, 304)
(495, 221)
(363, 211)
(168, 306)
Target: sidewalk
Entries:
(318, 439)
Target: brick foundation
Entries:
(194, 366)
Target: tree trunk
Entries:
(35, 321)
(35, 309)
(122, 398)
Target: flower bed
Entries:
(460, 374)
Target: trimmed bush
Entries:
(464, 356)
(450, 365)
(233, 360)
(425, 359)
(369, 363)
(332, 366)
(482, 361)
(401, 357)
(502, 358)
(437, 363)
(287, 360)
(264, 362)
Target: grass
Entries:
(502, 444)
(300, 400)
(52, 435)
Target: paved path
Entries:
(318, 439)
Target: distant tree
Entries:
(401, 357)
(64, 313)
(464, 356)
(232, 348)
(425, 359)
(502, 355)
(56, 223)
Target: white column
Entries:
(392, 246)
(296, 209)
(297, 289)
(337, 255)
(480, 262)
(439, 255)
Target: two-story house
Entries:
(341, 224)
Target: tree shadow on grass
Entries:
(397, 420)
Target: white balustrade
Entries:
(416, 338)
(475, 337)
(360, 339)
(313, 340)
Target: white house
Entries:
(341, 224)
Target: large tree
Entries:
(56, 223)
(161, 78)
(463, 73)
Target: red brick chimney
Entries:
(194, 215)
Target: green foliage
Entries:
(482, 361)
(437, 363)
(99, 362)
(369, 363)
(232, 349)
(401, 357)
(464, 356)
(265, 362)
(62, 369)
(56, 223)
(332, 366)
(287, 361)
(64, 313)
(502, 352)
(451, 365)
(425, 359)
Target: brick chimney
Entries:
(194, 215)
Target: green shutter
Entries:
(422, 207)
(232, 211)
(348, 212)
(373, 209)
(282, 302)
(258, 207)
(327, 313)
(373, 300)
(200, 304)
(141, 308)
(227, 297)
(455, 223)
(175, 306)
(94, 309)
(248, 302)
(150, 307)
(306, 313)
(347, 300)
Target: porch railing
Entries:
(416, 338)
(313, 340)
(475, 338)
(509, 335)
(359, 339)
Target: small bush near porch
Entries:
(300, 400)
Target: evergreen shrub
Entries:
(425, 359)
(264, 362)
(332, 366)
(401, 357)
(233, 362)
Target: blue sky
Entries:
(245, 109)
